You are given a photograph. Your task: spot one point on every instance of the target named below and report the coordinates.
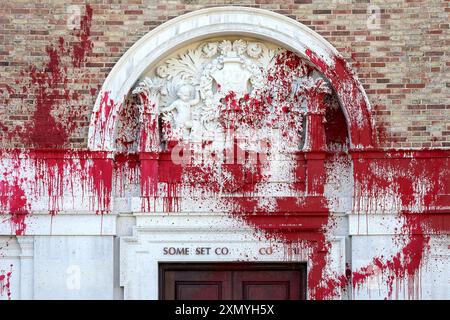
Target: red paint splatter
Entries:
(126, 173)
(103, 116)
(356, 108)
(10, 90)
(53, 119)
(100, 178)
(5, 283)
(404, 265)
(417, 183)
(85, 45)
(14, 202)
(301, 218)
(149, 179)
(45, 131)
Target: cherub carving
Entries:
(183, 109)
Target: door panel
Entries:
(207, 290)
(252, 290)
(232, 281)
(197, 285)
(271, 285)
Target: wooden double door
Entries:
(232, 281)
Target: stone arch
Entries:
(257, 23)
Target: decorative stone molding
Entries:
(26, 266)
(141, 252)
(188, 89)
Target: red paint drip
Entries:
(404, 265)
(100, 179)
(14, 202)
(420, 184)
(103, 115)
(126, 172)
(49, 171)
(149, 180)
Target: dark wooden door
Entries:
(232, 281)
(197, 285)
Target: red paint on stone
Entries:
(103, 115)
(420, 183)
(14, 202)
(404, 265)
(100, 179)
(126, 172)
(49, 177)
(5, 283)
(357, 111)
(148, 179)
(335, 126)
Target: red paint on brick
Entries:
(45, 131)
(51, 125)
(85, 45)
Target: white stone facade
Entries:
(78, 254)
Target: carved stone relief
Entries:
(189, 90)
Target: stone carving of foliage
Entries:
(239, 46)
(151, 86)
(225, 46)
(254, 50)
(306, 85)
(187, 67)
(209, 49)
(266, 57)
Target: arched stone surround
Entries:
(257, 23)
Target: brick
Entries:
(133, 12)
(321, 12)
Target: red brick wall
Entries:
(403, 64)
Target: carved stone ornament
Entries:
(187, 89)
